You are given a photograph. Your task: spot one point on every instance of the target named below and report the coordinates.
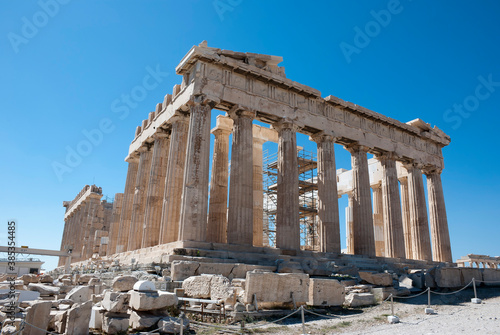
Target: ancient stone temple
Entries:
(86, 224)
(172, 200)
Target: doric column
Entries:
(287, 216)
(139, 202)
(80, 229)
(418, 214)
(240, 211)
(328, 205)
(64, 240)
(156, 189)
(441, 247)
(194, 216)
(115, 223)
(378, 220)
(128, 199)
(349, 224)
(258, 193)
(217, 217)
(405, 213)
(363, 235)
(393, 222)
(94, 200)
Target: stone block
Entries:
(115, 324)
(44, 289)
(29, 278)
(430, 278)
(491, 277)
(60, 319)
(276, 288)
(78, 319)
(223, 269)
(290, 267)
(146, 301)
(418, 279)
(171, 325)
(197, 286)
(469, 273)
(325, 292)
(116, 302)
(359, 299)
(96, 317)
(123, 283)
(79, 294)
(181, 270)
(38, 315)
(144, 286)
(221, 289)
(143, 320)
(379, 279)
(84, 279)
(382, 293)
(240, 270)
(448, 277)
(45, 279)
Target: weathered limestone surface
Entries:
(128, 199)
(38, 315)
(145, 301)
(78, 318)
(142, 320)
(328, 206)
(155, 191)
(44, 289)
(276, 288)
(123, 283)
(359, 299)
(240, 210)
(326, 292)
(79, 294)
(448, 277)
(421, 243)
(217, 217)
(139, 202)
(116, 302)
(174, 180)
(380, 279)
(287, 217)
(363, 234)
(194, 208)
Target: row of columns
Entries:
(175, 168)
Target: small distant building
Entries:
(23, 266)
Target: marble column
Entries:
(349, 224)
(139, 202)
(405, 213)
(393, 221)
(80, 229)
(441, 247)
(128, 199)
(194, 207)
(156, 189)
(328, 205)
(240, 210)
(115, 223)
(378, 220)
(419, 225)
(64, 240)
(174, 179)
(258, 193)
(92, 223)
(287, 216)
(363, 234)
(217, 216)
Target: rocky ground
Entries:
(455, 314)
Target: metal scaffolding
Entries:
(308, 195)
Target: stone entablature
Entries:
(87, 191)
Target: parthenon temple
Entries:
(178, 195)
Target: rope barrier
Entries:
(448, 293)
(411, 297)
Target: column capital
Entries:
(387, 155)
(179, 116)
(412, 165)
(322, 137)
(238, 111)
(161, 133)
(132, 158)
(355, 147)
(428, 170)
(258, 140)
(285, 123)
(220, 131)
(201, 100)
(145, 147)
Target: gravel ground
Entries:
(455, 314)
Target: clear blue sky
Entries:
(63, 67)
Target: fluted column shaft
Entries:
(194, 216)
(405, 213)
(441, 247)
(258, 194)
(328, 205)
(80, 229)
(64, 240)
(393, 221)
(128, 199)
(240, 211)
(217, 217)
(155, 191)
(92, 218)
(115, 224)
(363, 235)
(349, 224)
(378, 220)
(174, 180)
(419, 225)
(139, 202)
(287, 216)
